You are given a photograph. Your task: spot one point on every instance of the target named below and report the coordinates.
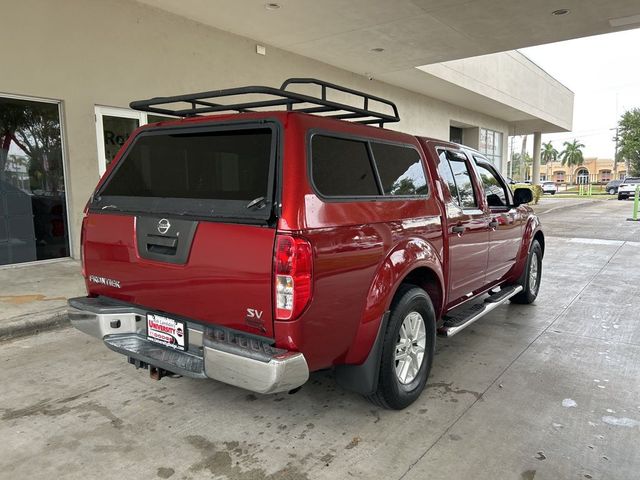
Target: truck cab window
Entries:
(494, 188)
(454, 170)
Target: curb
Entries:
(32, 324)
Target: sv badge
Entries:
(253, 318)
(253, 313)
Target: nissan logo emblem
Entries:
(164, 226)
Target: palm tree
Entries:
(548, 153)
(526, 166)
(572, 153)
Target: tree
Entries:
(34, 129)
(629, 140)
(404, 186)
(10, 120)
(523, 159)
(521, 165)
(527, 160)
(548, 153)
(572, 153)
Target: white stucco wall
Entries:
(511, 79)
(109, 52)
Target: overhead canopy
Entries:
(388, 40)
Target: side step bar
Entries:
(465, 316)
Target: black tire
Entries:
(621, 197)
(391, 393)
(530, 290)
(612, 191)
(553, 193)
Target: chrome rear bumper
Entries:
(214, 352)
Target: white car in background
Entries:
(549, 187)
(628, 188)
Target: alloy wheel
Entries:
(410, 348)
(533, 273)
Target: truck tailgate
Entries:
(226, 279)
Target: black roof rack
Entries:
(195, 104)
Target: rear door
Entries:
(505, 227)
(184, 225)
(467, 225)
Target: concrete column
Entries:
(535, 173)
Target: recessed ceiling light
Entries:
(272, 6)
(377, 50)
(560, 12)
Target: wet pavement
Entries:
(33, 298)
(548, 391)
(37, 289)
(595, 219)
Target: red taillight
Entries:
(292, 281)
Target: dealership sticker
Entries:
(166, 331)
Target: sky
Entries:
(604, 73)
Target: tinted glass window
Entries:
(33, 211)
(493, 188)
(463, 182)
(458, 178)
(190, 172)
(116, 131)
(444, 169)
(342, 167)
(211, 165)
(400, 169)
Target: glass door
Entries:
(113, 127)
(33, 207)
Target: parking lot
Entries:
(550, 391)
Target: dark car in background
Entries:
(612, 187)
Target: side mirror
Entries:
(522, 195)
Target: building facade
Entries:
(65, 90)
(593, 170)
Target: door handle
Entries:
(493, 224)
(457, 229)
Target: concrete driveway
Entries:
(549, 391)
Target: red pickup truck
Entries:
(293, 235)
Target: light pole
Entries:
(513, 137)
(615, 152)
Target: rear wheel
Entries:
(530, 278)
(407, 350)
(612, 191)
